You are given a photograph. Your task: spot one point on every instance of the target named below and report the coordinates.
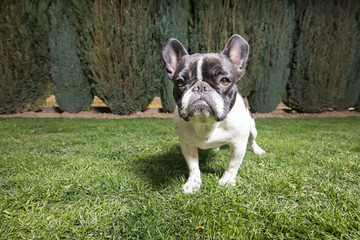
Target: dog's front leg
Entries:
(193, 183)
(237, 153)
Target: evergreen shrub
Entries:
(211, 26)
(173, 23)
(353, 81)
(267, 26)
(210, 29)
(270, 36)
(70, 86)
(121, 56)
(24, 58)
(357, 104)
(326, 56)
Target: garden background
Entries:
(305, 54)
(121, 178)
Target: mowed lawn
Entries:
(121, 179)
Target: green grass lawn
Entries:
(99, 179)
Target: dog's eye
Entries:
(225, 81)
(180, 82)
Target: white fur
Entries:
(205, 132)
(199, 69)
(186, 99)
(219, 103)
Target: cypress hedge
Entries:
(326, 57)
(212, 23)
(70, 86)
(209, 26)
(120, 53)
(118, 46)
(271, 39)
(353, 83)
(172, 23)
(24, 59)
(357, 104)
(267, 26)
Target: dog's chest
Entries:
(203, 135)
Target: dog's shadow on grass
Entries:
(160, 170)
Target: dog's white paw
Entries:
(192, 185)
(227, 180)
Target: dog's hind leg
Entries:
(253, 133)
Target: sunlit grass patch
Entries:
(96, 178)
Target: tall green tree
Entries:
(271, 39)
(119, 52)
(326, 57)
(70, 85)
(212, 24)
(24, 57)
(357, 104)
(267, 26)
(173, 23)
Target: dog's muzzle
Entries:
(201, 99)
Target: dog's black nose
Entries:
(201, 88)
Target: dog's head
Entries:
(205, 84)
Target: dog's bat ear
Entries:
(172, 53)
(237, 50)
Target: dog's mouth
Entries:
(200, 106)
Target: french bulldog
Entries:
(209, 110)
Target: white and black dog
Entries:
(210, 112)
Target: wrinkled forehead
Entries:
(201, 65)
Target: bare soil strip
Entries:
(103, 112)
